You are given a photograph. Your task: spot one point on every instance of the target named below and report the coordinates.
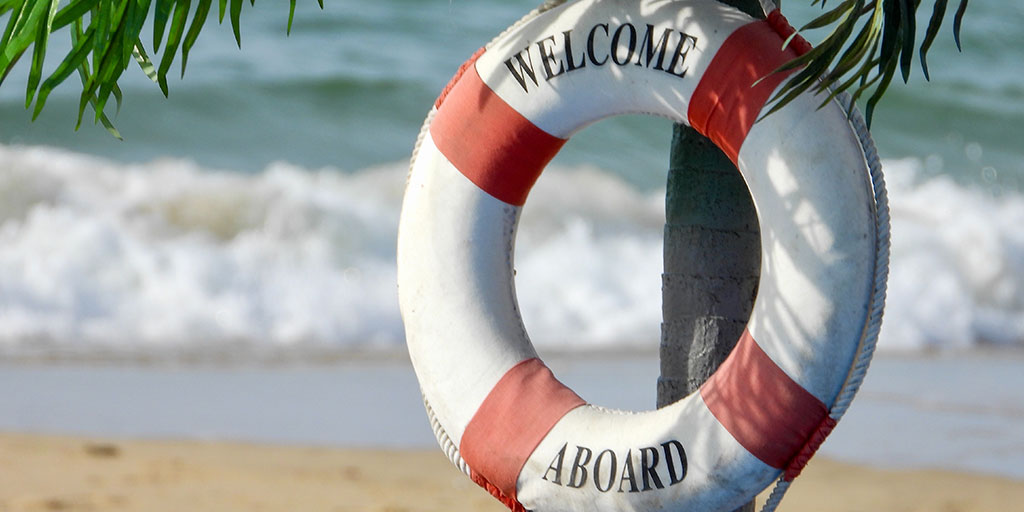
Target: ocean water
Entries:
(254, 211)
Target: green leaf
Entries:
(101, 18)
(887, 74)
(173, 40)
(109, 62)
(198, 20)
(110, 70)
(7, 63)
(858, 51)
(118, 97)
(291, 16)
(236, 14)
(23, 33)
(10, 66)
(119, 21)
(14, 24)
(957, 21)
(110, 127)
(908, 27)
(222, 9)
(90, 99)
(163, 12)
(817, 61)
(11, 22)
(16, 9)
(75, 9)
(890, 32)
(136, 20)
(9, 5)
(860, 75)
(105, 89)
(804, 79)
(107, 66)
(865, 82)
(147, 65)
(83, 69)
(39, 53)
(128, 34)
(829, 17)
(938, 13)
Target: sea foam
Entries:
(169, 257)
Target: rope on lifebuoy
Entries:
(867, 347)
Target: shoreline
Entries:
(247, 355)
(945, 411)
(45, 472)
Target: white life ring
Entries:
(498, 411)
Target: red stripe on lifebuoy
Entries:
(514, 418)
(767, 412)
(490, 143)
(726, 102)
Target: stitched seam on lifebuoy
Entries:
(814, 442)
(511, 503)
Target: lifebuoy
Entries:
(498, 411)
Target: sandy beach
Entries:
(75, 474)
(938, 434)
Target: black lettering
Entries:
(628, 473)
(525, 69)
(590, 44)
(675, 474)
(611, 471)
(580, 465)
(615, 43)
(556, 466)
(568, 53)
(647, 42)
(686, 43)
(546, 56)
(648, 463)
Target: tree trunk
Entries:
(712, 263)
(712, 260)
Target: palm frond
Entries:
(884, 43)
(106, 37)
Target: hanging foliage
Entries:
(865, 59)
(106, 38)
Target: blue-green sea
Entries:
(255, 208)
